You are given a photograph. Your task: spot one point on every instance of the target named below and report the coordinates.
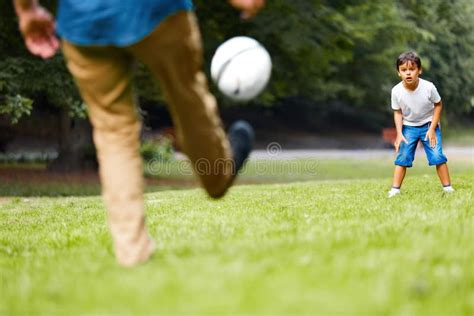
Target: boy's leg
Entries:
(404, 160)
(398, 176)
(436, 157)
(173, 53)
(443, 174)
(406, 155)
(103, 77)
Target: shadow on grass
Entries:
(58, 189)
(29, 181)
(35, 180)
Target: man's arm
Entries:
(398, 118)
(431, 134)
(37, 27)
(23, 5)
(248, 7)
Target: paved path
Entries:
(279, 153)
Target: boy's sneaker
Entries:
(448, 189)
(241, 137)
(393, 192)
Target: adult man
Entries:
(101, 40)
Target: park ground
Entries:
(297, 236)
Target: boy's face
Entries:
(409, 72)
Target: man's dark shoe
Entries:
(241, 137)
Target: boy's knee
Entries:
(436, 156)
(437, 160)
(405, 156)
(403, 164)
(404, 160)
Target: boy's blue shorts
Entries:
(413, 134)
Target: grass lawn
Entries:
(335, 246)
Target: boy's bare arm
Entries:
(398, 118)
(437, 114)
(431, 134)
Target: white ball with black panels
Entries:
(241, 68)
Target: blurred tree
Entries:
(25, 78)
(332, 58)
(447, 50)
(339, 55)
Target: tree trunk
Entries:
(76, 149)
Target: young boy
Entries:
(417, 110)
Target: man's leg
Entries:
(103, 76)
(173, 53)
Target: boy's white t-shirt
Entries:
(417, 106)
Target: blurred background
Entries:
(333, 245)
(333, 69)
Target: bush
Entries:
(160, 149)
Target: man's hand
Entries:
(248, 7)
(398, 141)
(38, 29)
(431, 136)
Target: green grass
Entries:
(459, 136)
(332, 247)
(309, 169)
(338, 169)
(177, 175)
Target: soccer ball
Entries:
(241, 68)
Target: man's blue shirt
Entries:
(113, 22)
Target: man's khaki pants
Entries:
(173, 53)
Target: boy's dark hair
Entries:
(408, 56)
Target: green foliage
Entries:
(15, 107)
(25, 77)
(37, 78)
(77, 108)
(447, 53)
(158, 150)
(329, 52)
(344, 51)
